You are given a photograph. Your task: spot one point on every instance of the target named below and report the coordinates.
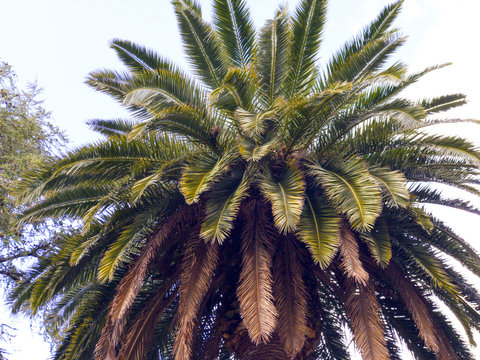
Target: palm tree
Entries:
(264, 209)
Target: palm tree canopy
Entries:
(259, 207)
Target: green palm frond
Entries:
(444, 239)
(238, 89)
(159, 180)
(74, 203)
(433, 267)
(379, 244)
(421, 217)
(393, 185)
(200, 174)
(113, 83)
(307, 27)
(222, 209)
(138, 58)
(370, 57)
(251, 151)
(108, 128)
(201, 44)
(198, 127)
(443, 103)
(253, 125)
(286, 193)
(427, 195)
(452, 145)
(401, 110)
(352, 190)
(305, 119)
(236, 30)
(319, 229)
(125, 246)
(356, 52)
(162, 89)
(274, 47)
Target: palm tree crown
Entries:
(261, 209)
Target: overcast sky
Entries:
(58, 42)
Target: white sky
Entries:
(58, 42)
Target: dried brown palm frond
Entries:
(130, 285)
(431, 334)
(446, 351)
(199, 263)
(290, 297)
(141, 332)
(351, 263)
(274, 350)
(255, 287)
(362, 308)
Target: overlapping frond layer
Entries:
(131, 283)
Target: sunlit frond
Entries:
(352, 190)
(286, 196)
